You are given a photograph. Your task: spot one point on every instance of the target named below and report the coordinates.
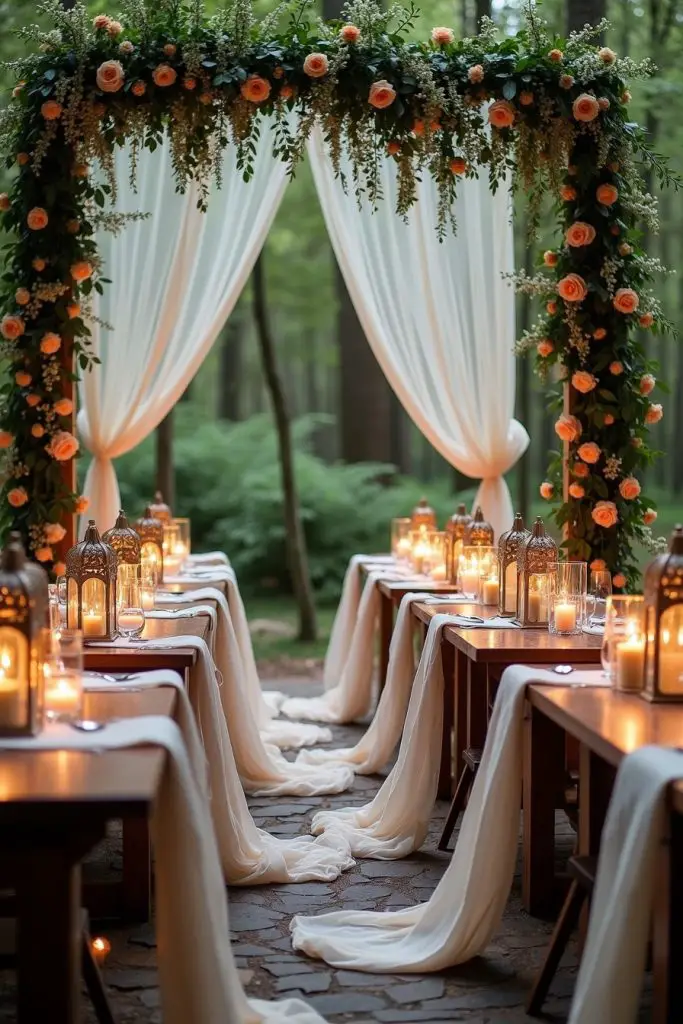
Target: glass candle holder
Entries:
(131, 616)
(147, 593)
(419, 550)
(435, 563)
(623, 645)
(490, 589)
(400, 538)
(64, 677)
(567, 598)
(599, 589)
(477, 563)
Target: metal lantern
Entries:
(536, 558)
(150, 530)
(23, 632)
(423, 517)
(126, 543)
(455, 528)
(158, 509)
(663, 589)
(508, 546)
(91, 569)
(479, 533)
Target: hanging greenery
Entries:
(553, 113)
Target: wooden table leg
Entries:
(542, 782)
(137, 870)
(596, 781)
(667, 932)
(445, 787)
(460, 731)
(386, 627)
(477, 704)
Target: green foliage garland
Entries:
(557, 119)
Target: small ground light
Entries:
(101, 948)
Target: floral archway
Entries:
(557, 117)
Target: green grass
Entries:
(271, 647)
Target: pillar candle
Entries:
(537, 607)
(489, 591)
(565, 617)
(469, 581)
(511, 588)
(630, 666)
(93, 624)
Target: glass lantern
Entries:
(623, 643)
(24, 642)
(151, 533)
(476, 565)
(567, 607)
(456, 528)
(419, 549)
(508, 546)
(400, 538)
(91, 570)
(536, 559)
(435, 562)
(479, 533)
(126, 543)
(663, 586)
(423, 516)
(158, 509)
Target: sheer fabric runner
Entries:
(199, 980)
(460, 919)
(613, 962)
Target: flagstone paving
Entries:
(489, 990)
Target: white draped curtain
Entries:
(176, 277)
(439, 317)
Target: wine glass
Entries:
(130, 617)
(600, 589)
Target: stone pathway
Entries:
(488, 990)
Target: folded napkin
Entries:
(199, 980)
(94, 681)
(490, 622)
(208, 558)
(593, 630)
(445, 599)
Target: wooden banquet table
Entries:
(141, 659)
(54, 808)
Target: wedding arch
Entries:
(553, 113)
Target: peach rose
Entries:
(170, 49)
(38, 264)
(551, 307)
(647, 384)
(81, 271)
(73, 310)
(646, 320)
(603, 103)
(458, 165)
(625, 249)
(206, 98)
(37, 430)
(544, 348)
(654, 413)
(556, 56)
(33, 400)
(572, 288)
(629, 488)
(100, 22)
(606, 55)
(566, 81)
(608, 419)
(619, 580)
(51, 110)
(138, 88)
(17, 497)
(590, 452)
(581, 470)
(23, 159)
(649, 516)
(22, 296)
(164, 75)
(442, 36)
(501, 114)
(616, 368)
(626, 96)
(349, 33)
(44, 554)
(63, 446)
(418, 128)
(550, 258)
(59, 569)
(316, 65)
(625, 300)
(605, 514)
(63, 407)
(50, 343)
(11, 327)
(286, 92)
(546, 490)
(585, 107)
(526, 98)
(73, 226)
(393, 148)
(599, 333)
(580, 234)
(576, 491)
(6, 438)
(54, 532)
(568, 428)
(607, 194)
(81, 505)
(23, 379)
(598, 565)
(4, 201)
(382, 94)
(189, 83)
(584, 381)
(37, 218)
(255, 89)
(476, 74)
(568, 193)
(110, 76)
(126, 47)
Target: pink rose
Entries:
(572, 288)
(316, 65)
(382, 94)
(349, 33)
(568, 193)
(585, 107)
(11, 327)
(126, 47)
(550, 258)
(590, 452)
(654, 413)
(580, 234)
(546, 490)
(37, 218)
(37, 430)
(63, 446)
(22, 296)
(566, 81)
(100, 21)
(63, 407)
(568, 428)
(599, 333)
(501, 114)
(605, 514)
(17, 497)
(110, 76)
(584, 381)
(576, 491)
(442, 36)
(556, 56)
(625, 300)
(476, 74)
(647, 384)
(255, 89)
(54, 532)
(629, 488)
(649, 516)
(646, 320)
(170, 49)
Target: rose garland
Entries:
(557, 117)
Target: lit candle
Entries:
(511, 588)
(671, 661)
(469, 580)
(420, 552)
(489, 591)
(147, 594)
(63, 697)
(93, 624)
(565, 617)
(11, 712)
(630, 666)
(403, 548)
(438, 573)
(538, 606)
(101, 948)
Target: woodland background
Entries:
(358, 459)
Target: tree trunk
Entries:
(296, 541)
(165, 478)
(482, 9)
(584, 12)
(231, 368)
(524, 382)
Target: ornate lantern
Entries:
(158, 509)
(126, 543)
(23, 633)
(536, 558)
(150, 530)
(663, 588)
(423, 517)
(91, 569)
(455, 528)
(508, 546)
(479, 533)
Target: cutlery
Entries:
(87, 725)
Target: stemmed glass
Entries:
(131, 616)
(600, 589)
